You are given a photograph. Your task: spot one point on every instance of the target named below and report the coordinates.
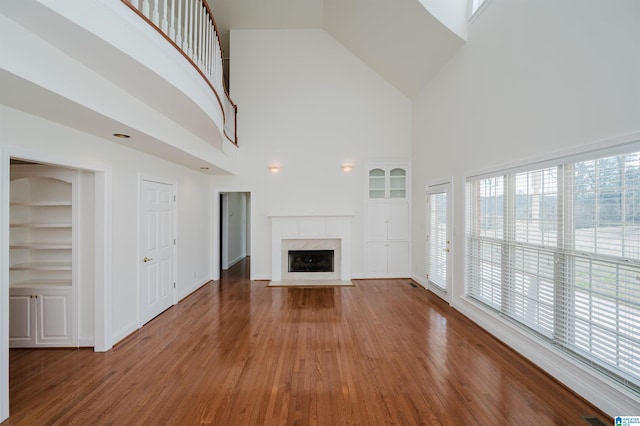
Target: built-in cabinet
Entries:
(387, 221)
(42, 290)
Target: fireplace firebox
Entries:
(311, 260)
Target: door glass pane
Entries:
(438, 243)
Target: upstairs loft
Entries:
(149, 70)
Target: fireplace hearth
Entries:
(311, 260)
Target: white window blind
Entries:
(438, 242)
(558, 250)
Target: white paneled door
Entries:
(157, 247)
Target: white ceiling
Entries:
(399, 39)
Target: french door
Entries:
(438, 239)
(157, 246)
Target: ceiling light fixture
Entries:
(274, 169)
(347, 168)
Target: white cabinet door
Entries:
(377, 221)
(398, 259)
(387, 182)
(376, 259)
(387, 259)
(398, 222)
(21, 318)
(54, 320)
(387, 221)
(41, 318)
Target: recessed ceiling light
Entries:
(204, 168)
(121, 135)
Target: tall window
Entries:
(475, 5)
(557, 250)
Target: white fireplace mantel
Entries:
(310, 227)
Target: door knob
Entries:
(147, 259)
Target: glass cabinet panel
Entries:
(398, 183)
(377, 183)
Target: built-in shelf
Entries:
(41, 266)
(42, 284)
(40, 225)
(41, 204)
(387, 221)
(41, 246)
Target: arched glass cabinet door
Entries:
(377, 183)
(398, 183)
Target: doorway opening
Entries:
(234, 228)
(58, 251)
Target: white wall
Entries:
(86, 290)
(58, 143)
(194, 228)
(309, 105)
(536, 77)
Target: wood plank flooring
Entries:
(239, 353)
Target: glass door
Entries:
(438, 247)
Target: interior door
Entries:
(438, 244)
(157, 248)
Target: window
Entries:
(475, 5)
(557, 250)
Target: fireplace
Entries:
(315, 234)
(310, 260)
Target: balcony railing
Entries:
(189, 26)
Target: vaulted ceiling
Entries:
(399, 39)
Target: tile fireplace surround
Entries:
(311, 232)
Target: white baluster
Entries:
(145, 8)
(185, 37)
(205, 43)
(196, 33)
(214, 42)
(199, 36)
(178, 12)
(203, 29)
(165, 24)
(219, 66)
(155, 16)
(135, 4)
(194, 30)
(172, 20)
(209, 47)
(192, 10)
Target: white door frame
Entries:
(174, 220)
(102, 251)
(439, 186)
(215, 241)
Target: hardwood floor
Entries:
(238, 353)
